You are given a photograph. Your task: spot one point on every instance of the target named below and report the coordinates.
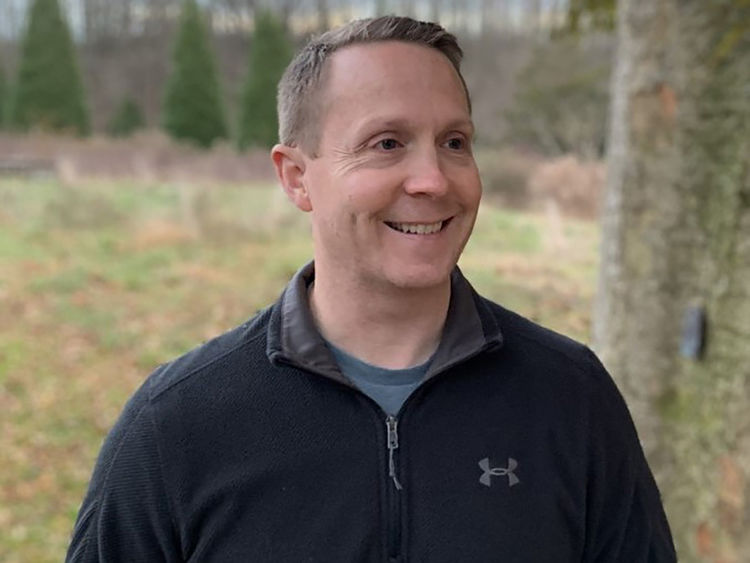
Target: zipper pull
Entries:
(392, 425)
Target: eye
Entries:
(387, 144)
(456, 143)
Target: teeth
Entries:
(418, 228)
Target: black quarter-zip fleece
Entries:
(254, 447)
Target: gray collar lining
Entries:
(467, 332)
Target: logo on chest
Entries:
(489, 472)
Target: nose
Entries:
(425, 174)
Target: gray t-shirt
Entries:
(387, 387)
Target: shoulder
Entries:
(169, 401)
(532, 342)
(555, 366)
(204, 365)
(182, 387)
(570, 375)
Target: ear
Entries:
(289, 163)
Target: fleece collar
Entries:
(293, 338)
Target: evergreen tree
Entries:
(192, 105)
(3, 96)
(126, 120)
(48, 91)
(271, 51)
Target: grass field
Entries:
(101, 282)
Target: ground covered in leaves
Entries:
(102, 281)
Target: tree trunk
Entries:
(505, 15)
(676, 239)
(486, 8)
(285, 13)
(91, 14)
(324, 22)
(533, 12)
(381, 7)
(435, 10)
(407, 8)
(125, 18)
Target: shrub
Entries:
(126, 120)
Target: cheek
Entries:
(477, 192)
(467, 185)
(374, 189)
(473, 183)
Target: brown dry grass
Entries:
(523, 180)
(100, 281)
(146, 157)
(512, 178)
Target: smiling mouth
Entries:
(419, 228)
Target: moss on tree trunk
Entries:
(677, 235)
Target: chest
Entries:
(464, 473)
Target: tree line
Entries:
(48, 91)
(517, 56)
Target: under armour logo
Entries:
(489, 472)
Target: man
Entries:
(381, 410)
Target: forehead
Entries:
(389, 73)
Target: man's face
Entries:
(394, 190)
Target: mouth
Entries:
(419, 228)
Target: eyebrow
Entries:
(387, 123)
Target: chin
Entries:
(419, 276)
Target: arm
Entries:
(625, 520)
(125, 515)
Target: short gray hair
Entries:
(299, 108)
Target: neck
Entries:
(389, 327)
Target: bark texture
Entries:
(677, 235)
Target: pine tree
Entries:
(270, 53)
(192, 105)
(127, 119)
(48, 92)
(3, 97)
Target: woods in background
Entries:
(127, 50)
(48, 93)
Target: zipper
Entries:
(391, 422)
(394, 502)
(392, 425)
